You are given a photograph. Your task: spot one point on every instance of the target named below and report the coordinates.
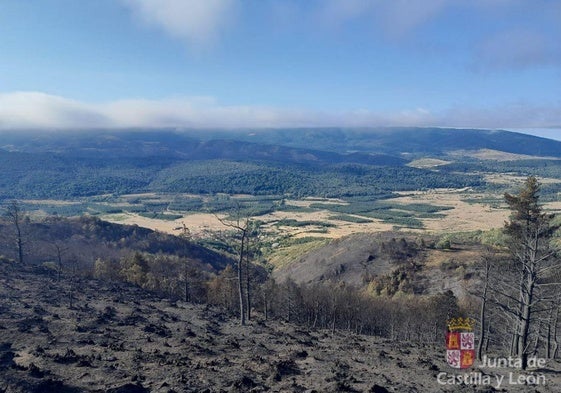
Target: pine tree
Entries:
(532, 259)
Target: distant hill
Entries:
(178, 147)
(285, 144)
(297, 162)
(406, 140)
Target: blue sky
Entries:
(278, 63)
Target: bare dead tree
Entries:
(253, 251)
(532, 260)
(483, 308)
(60, 250)
(186, 271)
(16, 216)
(554, 345)
(72, 283)
(186, 235)
(241, 226)
(268, 292)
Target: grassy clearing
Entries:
(493, 201)
(290, 249)
(118, 217)
(424, 163)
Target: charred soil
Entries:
(91, 336)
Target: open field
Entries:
(496, 155)
(463, 216)
(460, 216)
(425, 163)
(200, 223)
(506, 179)
(433, 211)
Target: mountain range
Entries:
(301, 162)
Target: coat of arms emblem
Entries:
(460, 342)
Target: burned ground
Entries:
(119, 338)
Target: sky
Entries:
(493, 64)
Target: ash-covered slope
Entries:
(346, 259)
(353, 259)
(117, 338)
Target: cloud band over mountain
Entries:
(37, 110)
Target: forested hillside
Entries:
(342, 163)
(394, 141)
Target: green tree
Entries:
(532, 261)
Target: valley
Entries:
(328, 196)
(374, 237)
(353, 181)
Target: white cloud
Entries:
(504, 45)
(198, 22)
(201, 22)
(40, 110)
(403, 16)
(35, 110)
(516, 49)
(513, 115)
(396, 17)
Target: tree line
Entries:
(521, 283)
